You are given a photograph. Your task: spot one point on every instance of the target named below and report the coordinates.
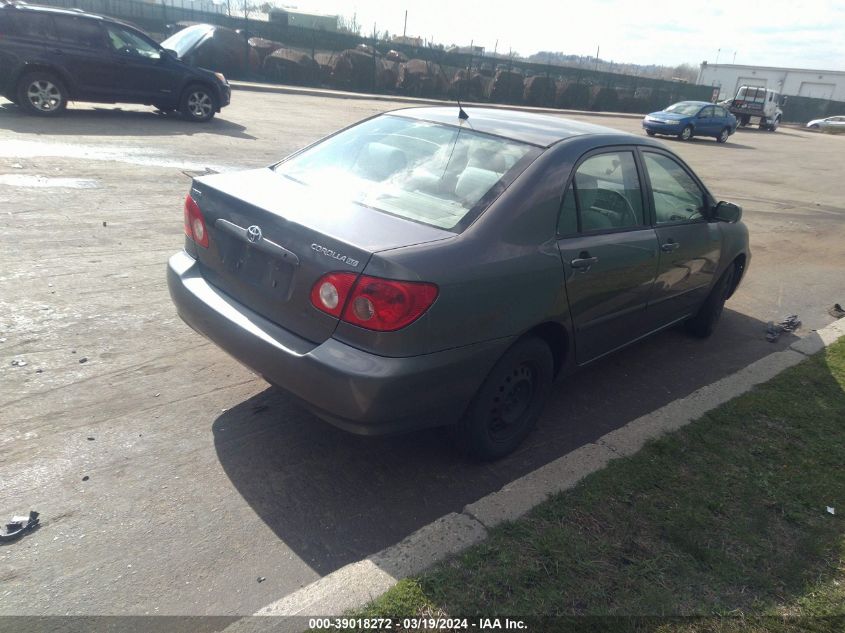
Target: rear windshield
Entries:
(439, 175)
(182, 41)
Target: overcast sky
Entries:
(771, 33)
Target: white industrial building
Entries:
(794, 82)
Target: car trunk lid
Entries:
(271, 239)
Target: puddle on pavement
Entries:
(111, 153)
(19, 180)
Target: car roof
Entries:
(529, 127)
(698, 103)
(45, 9)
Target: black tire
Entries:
(744, 120)
(724, 135)
(508, 403)
(198, 103)
(649, 132)
(814, 126)
(774, 126)
(686, 133)
(42, 93)
(703, 323)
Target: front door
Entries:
(690, 245)
(145, 77)
(609, 253)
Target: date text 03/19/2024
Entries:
(411, 624)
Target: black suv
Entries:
(50, 56)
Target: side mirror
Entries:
(171, 53)
(727, 212)
(783, 101)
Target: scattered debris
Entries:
(18, 363)
(90, 439)
(85, 478)
(18, 526)
(84, 359)
(836, 311)
(38, 370)
(789, 324)
(17, 166)
(157, 395)
(261, 579)
(830, 510)
(105, 223)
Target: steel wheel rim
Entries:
(512, 403)
(723, 136)
(686, 134)
(199, 104)
(44, 95)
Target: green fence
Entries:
(560, 86)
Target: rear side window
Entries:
(79, 32)
(719, 112)
(29, 24)
(607, 190)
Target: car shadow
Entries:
(115, 121)
(757, 130)
(334, 498)
(708, 141)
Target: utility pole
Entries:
(598, 48)
(405, 28)
(734, 61)
(717, 56)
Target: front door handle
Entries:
(670, 246)
(584, 262)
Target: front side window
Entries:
(83, 32)
(677, 197)
(126, 42)
(719, 111)
(607, 190)
(435, 174)
(706, 112)
(684, 108)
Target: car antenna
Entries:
(462, 115)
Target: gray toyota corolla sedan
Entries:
(434, 266)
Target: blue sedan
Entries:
(691, 118)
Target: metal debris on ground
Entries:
(18, 363)
(836, 311)
(261, 579)
(18, 526)
(84, 359)
(830, 510)
(789, 324)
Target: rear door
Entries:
(690, 245)
(81, 50)
(608, 250)
(705, 123)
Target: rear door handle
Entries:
(670, 246)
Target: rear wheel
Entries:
(686, 133)
(509, 402)
(723, 135)
(704, 321)
(649, 132)
(198, 104)
(42, 93)
(774, 125)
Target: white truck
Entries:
(752, 102)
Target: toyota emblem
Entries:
(253, 233)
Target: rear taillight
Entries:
(195, 223)
(377, 304)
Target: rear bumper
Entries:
(352, 389)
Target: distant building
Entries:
(794, 82)
(407, 40)
(207, 6)
(313, 21)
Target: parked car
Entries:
(416, 269)
(836, 123)
(51, 56)
(215, 48)
(691, 118)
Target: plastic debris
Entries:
(84, 359)
(836, 311)
(85, 478)
(261, 579)
(18, 526)
(18, 363)
(105, 223)
(789, 324)
(830, 510)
